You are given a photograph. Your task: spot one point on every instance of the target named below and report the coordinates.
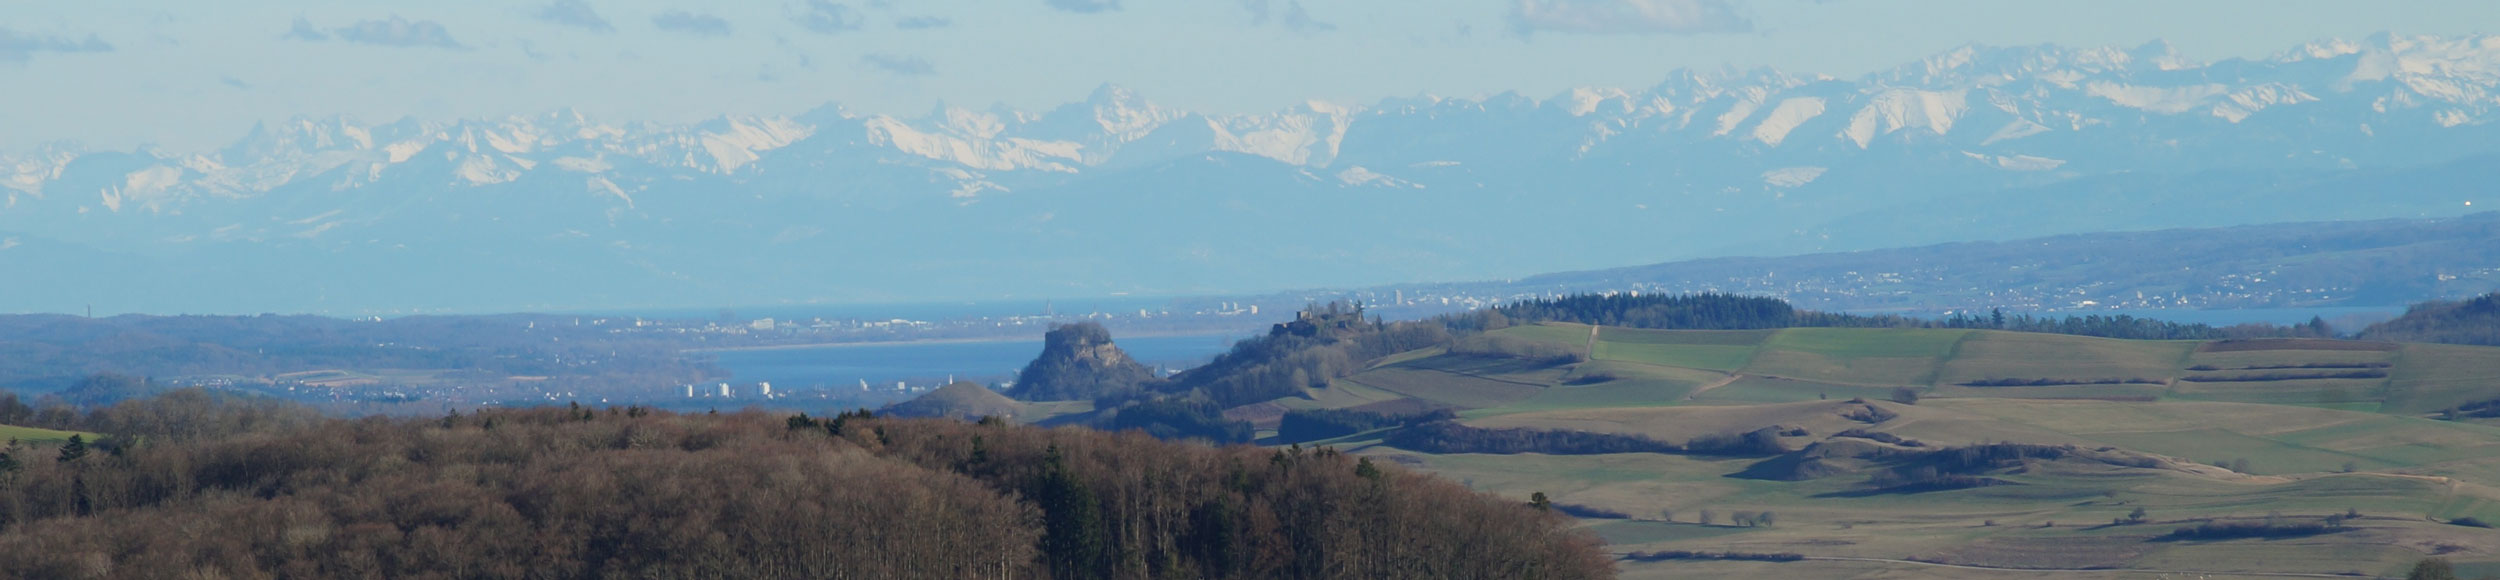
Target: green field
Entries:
(31, 434)
(2430, 377)
(1575, 335)
(1857, 343)
(1463, 381)
(1757, 389)
(1341, 394)
(1800, 364)
(1808, 363)
(2298, 447)
(1631, 385)
(1702, 349)
(2055, 517)
(1856, 356)
(2021, 355)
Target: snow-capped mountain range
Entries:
(1118, 194)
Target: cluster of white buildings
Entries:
(763, 390)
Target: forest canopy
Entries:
(629, 492)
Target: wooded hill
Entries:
(2472, 321)
(224, 489)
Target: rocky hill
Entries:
(1078, 362)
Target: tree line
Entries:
(1714, 311)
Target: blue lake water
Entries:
(929, 362)
(925, 311)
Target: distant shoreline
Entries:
(814, 345)
(931, 341)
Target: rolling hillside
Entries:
(35, 435)
(2077, 434)
(1799, 364)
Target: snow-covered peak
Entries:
(1973, 66)
(1585, 100)
(1123, 116)
(1995, 102)
(2160, 55)
(2472, 56)
(27, 172)
(729, 143)
(2319, 50)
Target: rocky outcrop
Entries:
(1078, 362)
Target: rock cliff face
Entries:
(1078, 362)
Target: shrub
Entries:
(1690, 555)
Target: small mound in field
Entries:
(961, 400)
(1793, 467)
(1831, 457)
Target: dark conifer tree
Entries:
(1073, 538)
(75, 450)
(1364, 469)
(84, 503)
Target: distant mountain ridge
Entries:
(2375, 263)
(1117, 194)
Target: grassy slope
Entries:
(1955, 525)
(1463, 381)
(2022, 355)
(2295, 435)
(2430, 377)
(31, 434)
(1633, 385)
(1710, 350)
(1813, 363)
(1856, 356)
(1808, 363)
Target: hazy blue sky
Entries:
(190, 75)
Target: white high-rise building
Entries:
(765, 389)
(724, 390)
